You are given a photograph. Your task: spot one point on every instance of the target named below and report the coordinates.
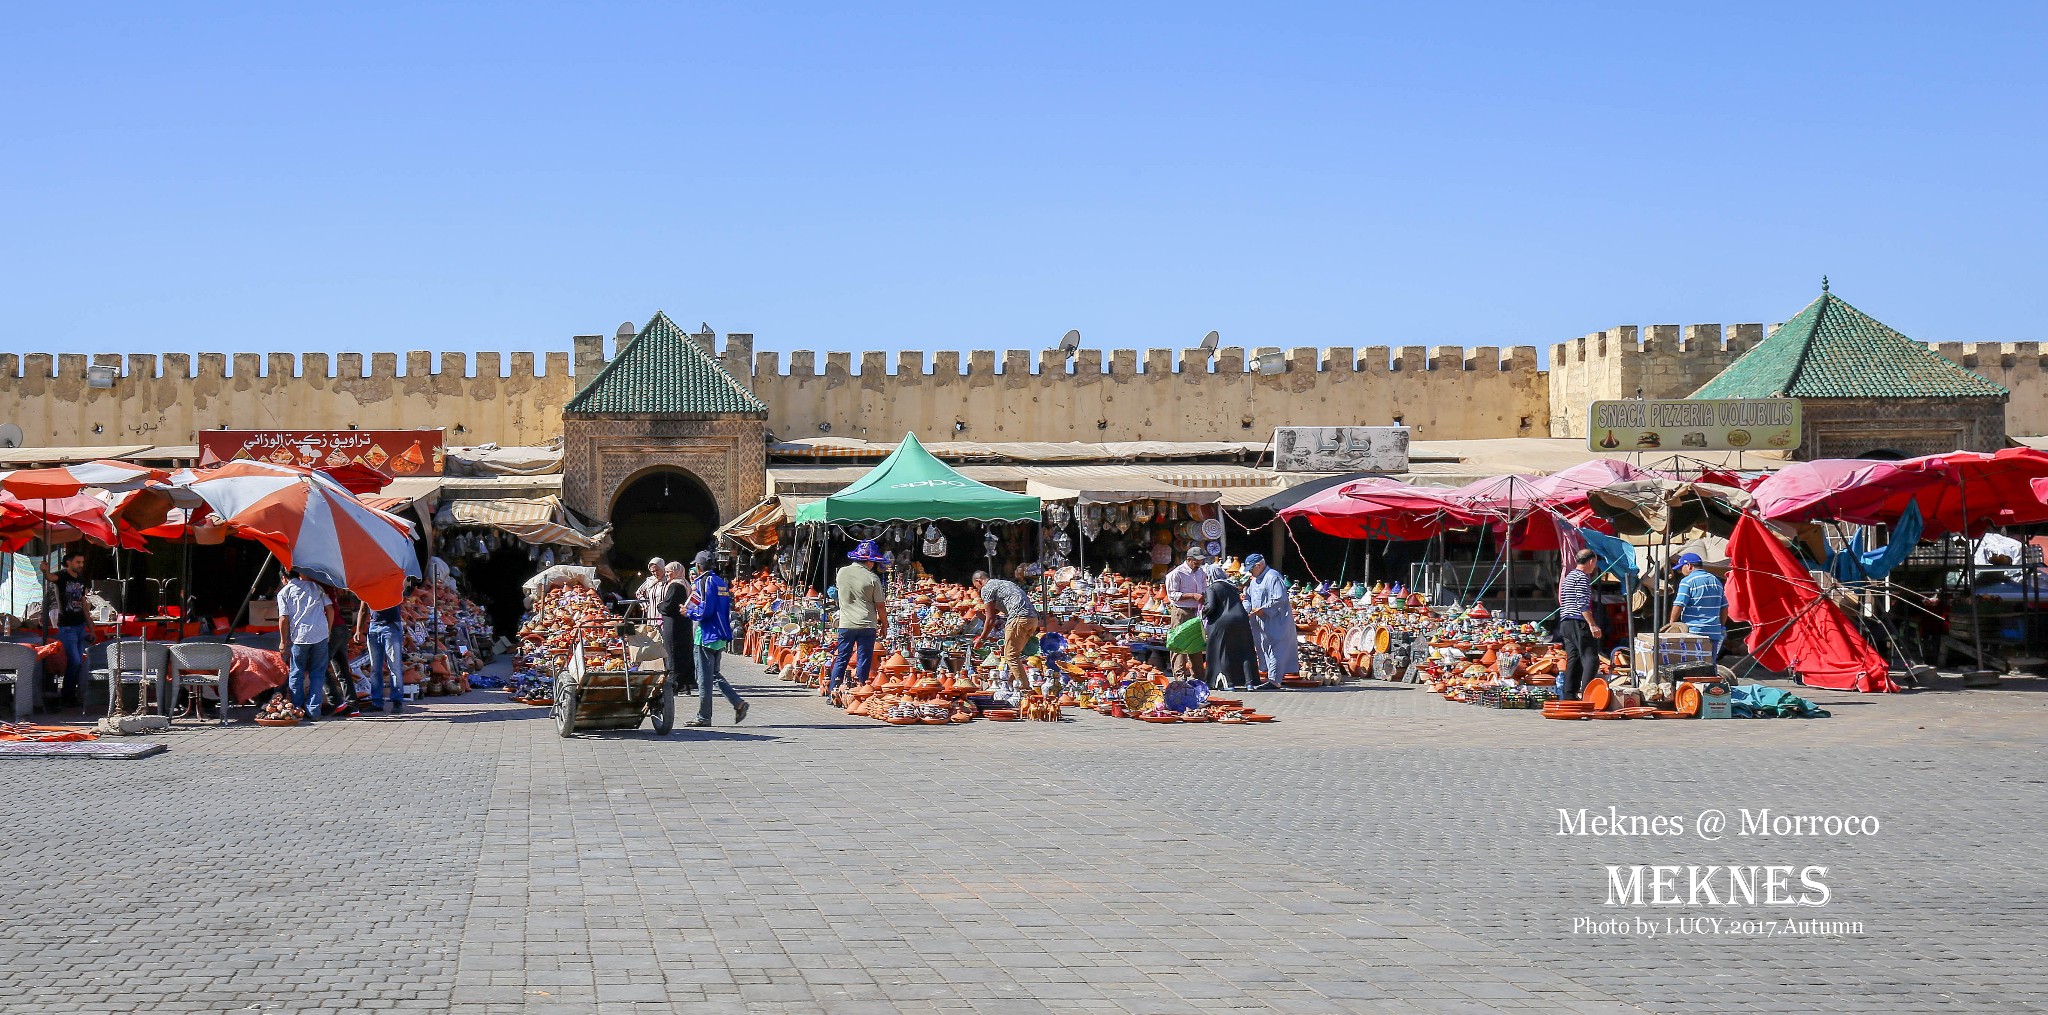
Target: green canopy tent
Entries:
(911, 485)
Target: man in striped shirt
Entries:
(1576, 627)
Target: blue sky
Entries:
(881, 176)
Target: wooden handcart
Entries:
(587, 699)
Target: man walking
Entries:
(711, 608)
(1576, 627)
(383, 636)
(1273, 630)
(1187, 586)
(863, 615)
(1699, 601)
(302, 628)
(1006, 598)
(68, 588)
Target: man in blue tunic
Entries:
(1265, 599)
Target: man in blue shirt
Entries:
(711, 607)
(1699, 601)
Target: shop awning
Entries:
(755, 527)
(17, 458)
(540, 521)
(911, 485)
(414, 492)
(1109, 486)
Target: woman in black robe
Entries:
(1232, 659)
(678, 636)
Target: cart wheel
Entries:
(565, 712)
(665, 712)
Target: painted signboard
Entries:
(1694, 424)
(396, 452)
(1340, 449)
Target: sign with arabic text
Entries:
(394, 452)
(1694, 424)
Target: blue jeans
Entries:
(309, 676)
(852, 639)
(75, 639)
(709, 673)
(385, 645)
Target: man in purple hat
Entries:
(862, 615)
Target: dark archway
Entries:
(1885, 455)
(664, 512)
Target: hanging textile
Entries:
(1792, 627)
(1854, 564)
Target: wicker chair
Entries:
(22, 670)
(131, 663)
(195, 667)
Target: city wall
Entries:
(1443, 392)
(1672, 361)
(166, 400)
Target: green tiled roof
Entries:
(1833, 350)
(664, 371)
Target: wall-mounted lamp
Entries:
(98, 428)
(1102, 424)
(1272, 361)
(459, 428)
(1400, 420)
(824, 428)
(351, 426)
(99, 376)
(959, 426)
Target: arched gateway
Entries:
(663, 444)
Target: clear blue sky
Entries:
(371, 176)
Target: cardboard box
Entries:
(1714, 701)
(262, 613)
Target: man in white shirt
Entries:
(1186, 586)
(302, 634)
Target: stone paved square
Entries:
(1377, 850)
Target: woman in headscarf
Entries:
(1265, 599)
(1232, 662)
(651, 591)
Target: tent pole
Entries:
(1970, 572)
(243, 609)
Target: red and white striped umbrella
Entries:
(312, 523)
(71, 480)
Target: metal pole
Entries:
(242, 610)
(1970, 571)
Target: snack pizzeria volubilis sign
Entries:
(396, 452)
(1694, 424)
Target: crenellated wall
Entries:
(1442, 392)
(1673, 361)
(166, 400)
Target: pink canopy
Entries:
(1962, 491)
(1380, 508)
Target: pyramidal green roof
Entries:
(664, 370)
(911, 485)
(1833, 350)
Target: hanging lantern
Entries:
(934, 542)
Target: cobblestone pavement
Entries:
(1378, 850)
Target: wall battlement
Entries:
(512, 398)
(1442, 391)
(1153, 394)
(1673, 361)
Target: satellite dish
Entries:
(10, 435)
(1070, 341)
(1209, 341)
(625, 333)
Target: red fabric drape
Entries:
(1768, 588)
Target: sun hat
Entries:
(869, 551)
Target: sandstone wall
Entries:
(1444, 392)
(166, 400)
(1670, 361)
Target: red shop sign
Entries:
(394, 452)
